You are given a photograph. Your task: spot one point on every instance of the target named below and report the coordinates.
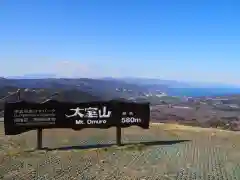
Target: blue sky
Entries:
(168, 39)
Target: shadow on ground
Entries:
(151, 143)
(155, 143)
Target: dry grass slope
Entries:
(208, 155)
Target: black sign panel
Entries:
(87, 115)
(134, 114)
(23, 116)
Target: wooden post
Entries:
(39, 134)
(118, 135)
(39, 138)
(40, 130)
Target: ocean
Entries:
(198, 92)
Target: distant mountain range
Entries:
(106, 89)
(111, 88)
(33, 76)
(139, 81)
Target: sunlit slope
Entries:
(208, 154)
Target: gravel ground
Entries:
(157, 153)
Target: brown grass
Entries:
(208, 154)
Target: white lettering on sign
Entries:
(90, 112)
(129, 120)
(129, 113)
(76, 113)
(90, 115)
(79, 122)
(104, 113)
(24, 117)
(96, 121)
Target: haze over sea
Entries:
(198, 92)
